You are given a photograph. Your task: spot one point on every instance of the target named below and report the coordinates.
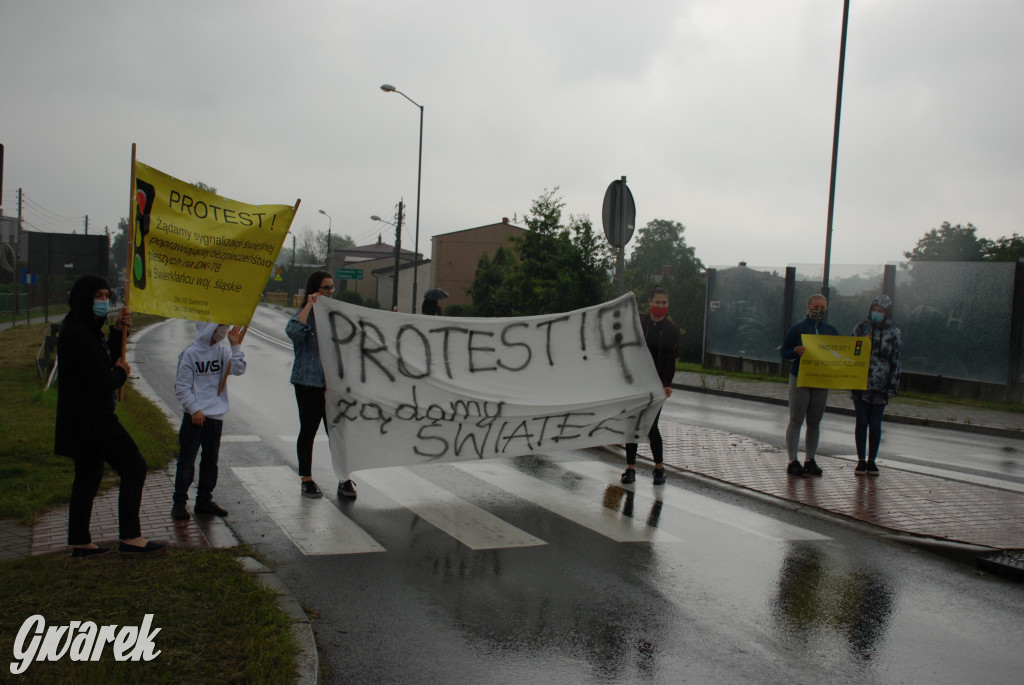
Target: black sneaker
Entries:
(628, 477)
(347, 489)
(811, 468)
(210, 507)
(861, 468)
(872, 470)
(659, 476)
(179, 512)
(311, 489)
(795, 469)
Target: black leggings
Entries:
(312, 412)
(119, 450)
(657, 447)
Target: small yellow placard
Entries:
(839, 362)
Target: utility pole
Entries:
(87, 224)
(835, 152)
(398, 250)
(17, 261)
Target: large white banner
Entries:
(404, 389)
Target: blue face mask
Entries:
(100, 307)
(878, 317)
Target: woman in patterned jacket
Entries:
(883, 381)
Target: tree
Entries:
(490, 297)
(949, 244)
(1005, 249)
(550, 268)
(118, 251)
(311, 245)
(662, 257)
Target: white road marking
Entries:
(699, 505)
(314, 525)
(320, 437)
(469, 524)
(584, 512)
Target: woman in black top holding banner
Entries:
(662, 337)
(90, 371)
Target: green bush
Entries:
(459, 310)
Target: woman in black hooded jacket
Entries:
(89, 373)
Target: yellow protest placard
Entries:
(196, 255)
(834, 361)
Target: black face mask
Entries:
(816, 314)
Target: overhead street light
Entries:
(329, 222)
(388, 88)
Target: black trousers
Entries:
(657, 447)
(312, 412)
(115, 447)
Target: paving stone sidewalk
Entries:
(900, 501)
(50, 532)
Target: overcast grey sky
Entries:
(719, 112)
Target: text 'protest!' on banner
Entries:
(404, 389)
(199, 256)
(839, 362)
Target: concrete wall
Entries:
(455, 257)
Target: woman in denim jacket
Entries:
(310, 386)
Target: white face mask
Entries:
(219, 334)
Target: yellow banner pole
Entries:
(128, 263)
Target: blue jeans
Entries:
(868, 429)
(190, 438)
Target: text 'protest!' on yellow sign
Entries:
(199, 256)
(839, 362)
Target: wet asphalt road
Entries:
(708, 586)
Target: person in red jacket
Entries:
(662, 338)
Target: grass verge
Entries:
(905, 397)
(35, 479)
(217, 624)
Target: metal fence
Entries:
(960, 320)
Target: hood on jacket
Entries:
(80, 300)
(205, 331)
(885, 302)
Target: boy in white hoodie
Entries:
(201, 367)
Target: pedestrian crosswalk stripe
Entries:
(314, 525)
(320, 438)
(585, 512)
(699, 505)
(469, 524)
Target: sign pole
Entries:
(622, 230)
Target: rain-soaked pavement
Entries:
(551, 572)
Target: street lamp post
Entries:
(388, 88)
(327, 259)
